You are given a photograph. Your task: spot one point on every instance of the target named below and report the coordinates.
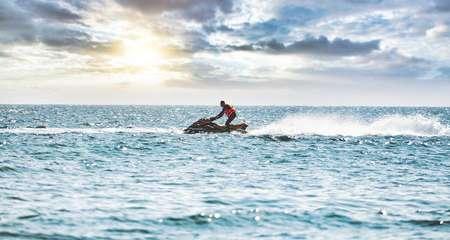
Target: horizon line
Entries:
(206, 105)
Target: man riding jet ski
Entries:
(208, 126)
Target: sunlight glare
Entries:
(140, 53)
(142, 58)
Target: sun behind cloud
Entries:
(140, 53)
(141, 58)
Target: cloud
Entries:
(15, 25)
(81, 4)
(393, 64)
(440, 30)
(237, 84)
(4, 55)
(442, 5)
(376, 66)
(199, 10)
(287, 17)
(313, 46)
(365, 1)
(267, 29)
(74, 40)
(206, 74)
(49, 10)
(48, 22)
(444, 72)
(284, 20)
(297, 14)
(187, 22)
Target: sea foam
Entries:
(88, 130)
(331, 125)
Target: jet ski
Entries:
(204, 125)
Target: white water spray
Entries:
(331, 125)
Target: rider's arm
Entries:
(218, 115)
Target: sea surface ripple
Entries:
(129, 172)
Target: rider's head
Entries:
(222, 103)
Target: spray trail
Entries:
(331, 125)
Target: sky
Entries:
(248, 52)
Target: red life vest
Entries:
(229, 111)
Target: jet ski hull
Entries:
(206, 126)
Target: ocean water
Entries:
(128, 172)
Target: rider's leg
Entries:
(230, 118)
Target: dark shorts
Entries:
(230, 118)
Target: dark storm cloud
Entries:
(199, 10)
(313, 46)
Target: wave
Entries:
(7, 169)
(334, 125)
(42, 131)
(326, 125)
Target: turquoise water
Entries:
(128, 172)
